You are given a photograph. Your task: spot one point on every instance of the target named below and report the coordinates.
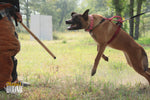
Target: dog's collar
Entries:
(91, 26)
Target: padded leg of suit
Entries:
(6, 66)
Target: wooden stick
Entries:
(39, 41)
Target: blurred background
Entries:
(60, 11)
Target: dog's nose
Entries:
(68, 22)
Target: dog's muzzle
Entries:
(69, 22)
(73, 25)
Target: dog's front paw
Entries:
(107, 59)
(93, 72)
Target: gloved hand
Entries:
(19, 19)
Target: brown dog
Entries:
(102, 32)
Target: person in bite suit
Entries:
(9, 44)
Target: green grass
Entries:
(144, 41)
(68, 77)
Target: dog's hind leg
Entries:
(99, 55)
(145, 62)
(137, 67)
(140, 63)
(143, 73)
(103, 56)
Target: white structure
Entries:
(41, 26)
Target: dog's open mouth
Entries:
(73, 26)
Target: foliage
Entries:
(144, 41)
(118, 6)
(25, 9)
(95, 6)
(60, 9)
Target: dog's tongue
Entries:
(69, 27)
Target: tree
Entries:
(65, 7)
(131, 22)
(25, 10)
(118, 6)
(95, 6)
(58, 9)
(137, 23)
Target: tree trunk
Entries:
(62, 17)
(27, 13)
(137, 23)
(131, 22)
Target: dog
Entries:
(102, 31)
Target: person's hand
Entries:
(19, 19)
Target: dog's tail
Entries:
(145, 62)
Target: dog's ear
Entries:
(73, 13)
(85, 15)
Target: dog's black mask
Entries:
(76, 22)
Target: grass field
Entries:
(68, 77)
